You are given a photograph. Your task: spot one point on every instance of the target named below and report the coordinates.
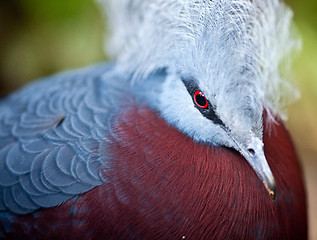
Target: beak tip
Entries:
(254, 154)
(271, 188)
(272, 193)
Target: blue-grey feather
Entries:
(6, 177)
(35, 173)
(64, 131)
(17, 162)
(36, 146)
(22, 198)
(28, 185)
(43, 111)
(11, 204)
(68, 127)
(31, 119)
(50, 186)
(93, 166)
(84, 175)
(49, 200)
(52, 137)
(76, 188)
(85, 114)
(93, 101)
(89, 145)
(64, 159)
(56, 135)
(24, 131)
(80, 127)
(50, 170)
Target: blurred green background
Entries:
(38, 38)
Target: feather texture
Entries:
(163, 185)
(111, 159)
(254, 37)
(50, 131)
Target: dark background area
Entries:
(38, 38)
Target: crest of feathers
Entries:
(257, 36)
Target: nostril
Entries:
(251, 151)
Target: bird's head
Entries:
(223, 58)
(229, 116)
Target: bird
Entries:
(181, 136)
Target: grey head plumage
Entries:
(235, 52)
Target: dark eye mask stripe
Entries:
(208, 112)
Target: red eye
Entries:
(200, 99)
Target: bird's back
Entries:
(48, 132)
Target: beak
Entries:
(254, 154)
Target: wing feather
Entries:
(50, 137)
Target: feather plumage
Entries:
(187, 36)
(111, 159)
(47, 146)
